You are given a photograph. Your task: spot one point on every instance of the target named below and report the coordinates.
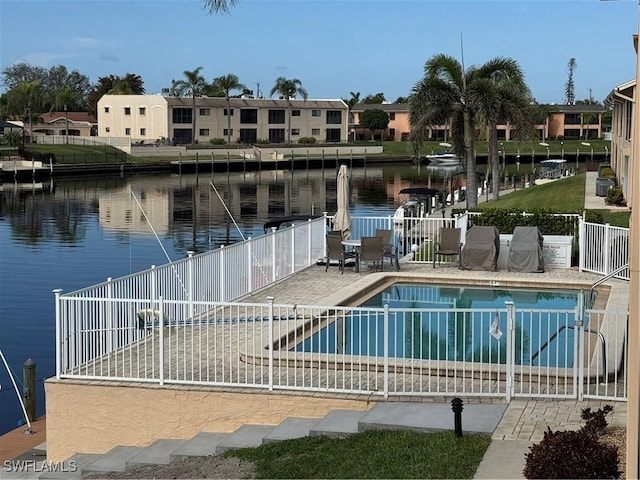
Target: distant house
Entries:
(7, 127)
(563, 121)
(81, 124)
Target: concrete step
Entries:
(203, 444)
(245, 436)
(115, 460)
(291, 427)
(158, 453)
(338, 423)
(72, 467)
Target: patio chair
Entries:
(389, 250)
(448, 244)
(337, 251)
(370, 252)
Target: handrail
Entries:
(603, 343)
(609, 275)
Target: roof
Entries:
(74, 117)
(576, 108)
(386, 107)
(8, 125)
(623, 91)
(221, 102)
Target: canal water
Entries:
(73, 233)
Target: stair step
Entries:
(71, 467)
(158, 453)
(115, 460)
(245, 436)
(290, 427)
(203, 444)
(338, 423)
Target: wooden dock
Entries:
(17, 442)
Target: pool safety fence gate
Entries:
(505, 353)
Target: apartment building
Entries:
(621, 102)
(147, 118)
(563, 121)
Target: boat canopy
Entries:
(420, 191)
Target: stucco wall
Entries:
(90, 418)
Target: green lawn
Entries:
(370, 454)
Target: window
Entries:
(142, 111)
(392, 115)
(227, 131)
(203, 132)
(392, 132)
(248, 135)
(315, 113)
(276, 116)
(204, 112)
(333, 135)
(106, 109)
(315, 131)
(230, 112)
(182, 115)
(276, 135)
(107, 129)
(572, 119)
(127, 131)
(295, 113)
(127, 110)
(295, 131)
(334, 117)
(249, 115)
(143, 132)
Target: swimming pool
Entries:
(459, 323)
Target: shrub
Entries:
(607, 172)
(217, 141)
(574, 454)
(306, 140)
(592, 216)
(615, 196)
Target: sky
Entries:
(334, 47)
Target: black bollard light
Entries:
(456, 406)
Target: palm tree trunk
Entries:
(289, 126)
(193, 138)
(472, 178)
(66, 127)
(495, 161)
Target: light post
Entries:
(606, 154)
(30, 123)
(66, 126)
(562, 150)
(546, 145)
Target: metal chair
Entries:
(389, 250)
(370, 251)
(448, 244)
(337, 251)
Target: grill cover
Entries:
(481, 248)
(525, 251)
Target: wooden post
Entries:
(29, 388)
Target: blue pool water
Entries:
(456, 323)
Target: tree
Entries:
(353, 101)
(228, 83)
(219, 6)
(65, 97)
(130, 84)
(402, 100)
(449, 94)
(378, 98)
(288, 89)
(192, 86)
(374, 119)
(569, 87)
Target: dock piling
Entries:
(29, 389)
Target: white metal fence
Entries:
(604, 249)
(505, 353)
(111, 331)
(122, 143)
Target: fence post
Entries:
(191, 282)
(511, 347)
(110, 330)
(385, 335)
(578, 344)
(57, 292)
(274, 275)
(293, 251)
(221, 281)
(161, 340)
(250, 265)
(581, 244)
(605, 251)
(309, 239)
(270, 299)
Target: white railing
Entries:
(604, 248)
(502, 353)
(122, 143)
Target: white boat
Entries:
(444, 158)
(421, 203)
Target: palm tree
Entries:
(288, 89)
(64, 98)
(28, 92)
(193, 85)
(506, 98)
(219, 6)
(450, 94)
(226, 84)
